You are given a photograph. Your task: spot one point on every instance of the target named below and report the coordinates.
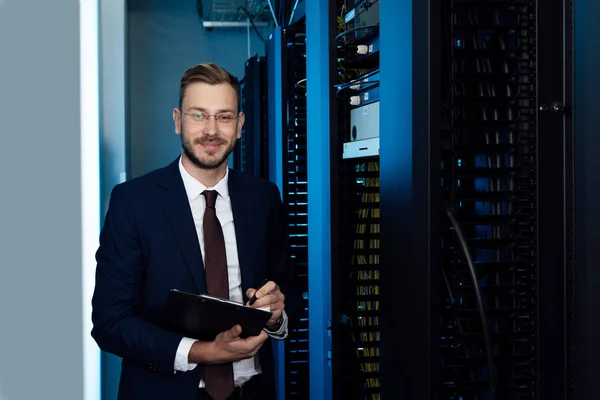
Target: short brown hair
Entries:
(208, 73)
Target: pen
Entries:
(253, 299)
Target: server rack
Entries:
(490, 179)
(286, 52)
(252, 150)
(295, 197)
(410, 199)
(475, 125)
(489, 138)
(355, 265)
(516, 207)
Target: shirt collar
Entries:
(193, 188)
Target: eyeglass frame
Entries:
(207, 117)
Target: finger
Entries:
(265, 302)
(252, 341)
(250, 293)
(272, 300)
(233, 333)
(258, 339)
(269, 287)
(263, 336)
(257, 342)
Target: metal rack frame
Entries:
(227, 13)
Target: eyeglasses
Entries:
(223, 119)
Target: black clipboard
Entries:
(203, 317)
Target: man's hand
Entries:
(268, 296)
(228, 346)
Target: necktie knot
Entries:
(211, 198)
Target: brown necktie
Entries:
(219, 377)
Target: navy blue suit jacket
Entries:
(148, 246)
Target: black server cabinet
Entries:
(296, 198)
(287, 57)
(492, 144)
(355, 203)
(252, 150)
(259, 90)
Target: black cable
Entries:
(486, 334)
(251, 19)
(361, 28)
(347, 86)
(359, 80)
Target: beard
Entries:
(188, 149)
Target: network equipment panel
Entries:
(355, 272)
(364, 122)
(358, 44)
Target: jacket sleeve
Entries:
(281, 266)
(118, 327)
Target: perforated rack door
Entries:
(359, 271)
(295, 199)
(356, 219)
(489, 175)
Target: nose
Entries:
(210, 126)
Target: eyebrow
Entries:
(205, 110)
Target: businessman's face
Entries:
(209, 123)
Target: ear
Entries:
(241, 120)
(177, 120)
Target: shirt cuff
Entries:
(282, 332)
(181, 357)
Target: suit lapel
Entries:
(242, 212)
(176, 207)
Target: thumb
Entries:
(233, 333)
(250, 293)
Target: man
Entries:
(198, 227)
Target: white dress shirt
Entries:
(243, 370)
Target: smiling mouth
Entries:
(211, 145)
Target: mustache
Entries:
(207, 139)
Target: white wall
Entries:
(41, 312)
(112, 95)
(112, 135)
